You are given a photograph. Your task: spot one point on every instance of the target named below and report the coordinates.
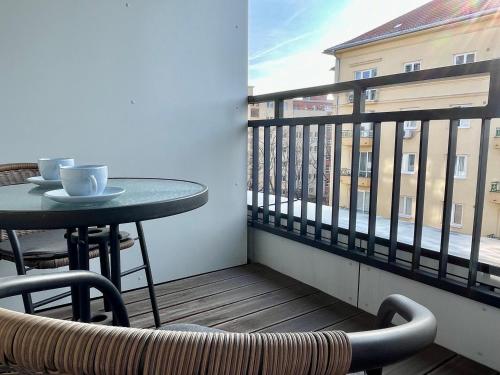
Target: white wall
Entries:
(467, 327)
(151, 88)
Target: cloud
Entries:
(309, 66)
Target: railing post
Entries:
(353, 198)
(255, 173)
(372, 218)
(320, 170)
(292, 141)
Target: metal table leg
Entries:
(114, 249)
(19, 260)
(73, 265)
(83, 257)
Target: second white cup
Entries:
(84, 180)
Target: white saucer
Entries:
(39, 180)
(61, 196)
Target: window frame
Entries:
(464, 176)
(405, 199)
(405, 162)
(373, 73)
(364, 193)
(412, 64)
(453, 211)
(464, 54)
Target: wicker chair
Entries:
(49, 249)
(33, 344)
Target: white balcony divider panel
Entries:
(151, 88)
(465, 326)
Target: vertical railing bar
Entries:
(448, 198)
(396, 188)
(267, 173)
(292, 135)
(305, 179)
(279, 176)
(255, 174)
(479, 202)
(353, 198)
(337, 150)
(320, 170)
(372, 218)
(420, 200)
(278, 113)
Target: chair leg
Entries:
(18, 257)
(73, 265)
(149, 276)
(105, 268)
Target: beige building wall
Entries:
(432, 48)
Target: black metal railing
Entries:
(396, 256)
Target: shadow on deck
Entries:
(254, 298)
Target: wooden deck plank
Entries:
(421, 363)
(463, 366)
(316, 320)
(277, 314)
(248, 306)
(201, 308)
(357, 323)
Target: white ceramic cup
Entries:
(84, 180)
(49, 167)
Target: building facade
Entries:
(412, 42)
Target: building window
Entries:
(457, 212)
(464, 58)
(410, 125)
(463, 123)
(363, 74)
(270, 105)
(408, 164)
(363, 201)
(365, 164)
(366, 130)
(461, 166)
(371, 94)
(412, 66)
(405, 206)
(254, 112)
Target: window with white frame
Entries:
(363, 201)
(367, 73)
(461, 166)
(371, 94)
(464, 58)
(408, 164)
(405, 206)
(457, 213)
(412, 66)
(410, 125)
(366, 129)
(365, 164)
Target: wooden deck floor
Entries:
(254, 298)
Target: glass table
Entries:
(24, 207)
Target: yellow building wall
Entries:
(432, 48)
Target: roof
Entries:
(432, 14)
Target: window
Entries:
(363, 74)
(464, 58)
(254, 112)
(408, 164)
(405, 206)
(363, 201)
(412, 66)
(365, 164)
(497, 132)
(457, 211)
(410, 125)
(366, 129)
(461, 166)
(371, 94)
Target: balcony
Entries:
(314, 271)
(364, 177)
(366, 138)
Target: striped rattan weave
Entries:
(32, 344)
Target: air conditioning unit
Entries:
(408, 134)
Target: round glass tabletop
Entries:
(24, 206)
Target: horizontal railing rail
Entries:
(365, 246)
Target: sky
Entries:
(287, 37)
